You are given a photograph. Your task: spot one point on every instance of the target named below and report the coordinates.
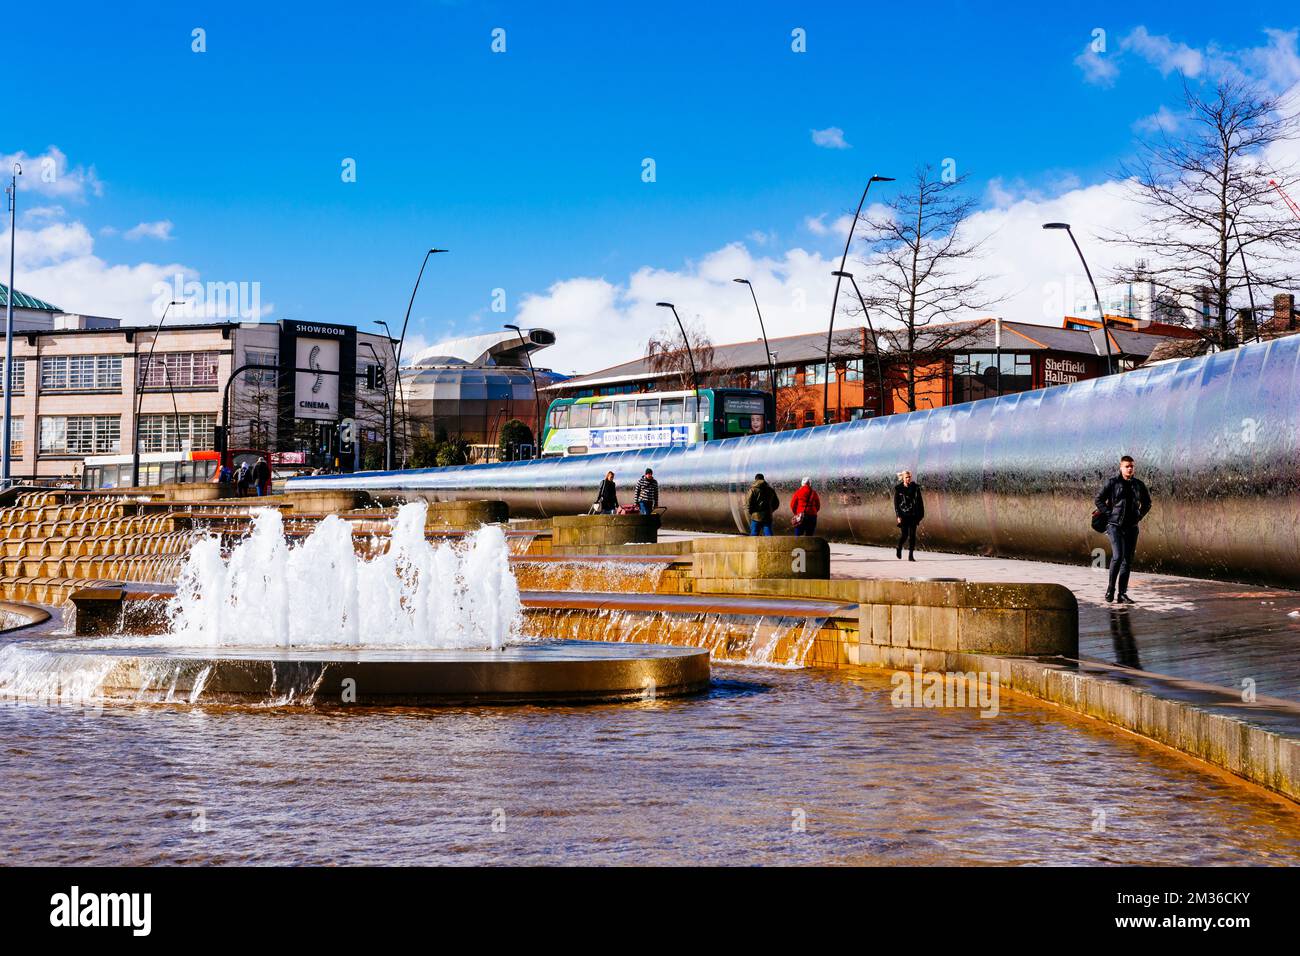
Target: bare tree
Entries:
(919, 273)
(1208, 200)
(666, 352)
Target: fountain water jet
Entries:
(320, 593)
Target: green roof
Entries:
(24, 301)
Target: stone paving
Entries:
(1195, 630)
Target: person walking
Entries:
(647, 492)
(1126, 501)
(607, 495)
(261, 478)
(804, 505)
(909, 509)
(241, 479)
(760, 504)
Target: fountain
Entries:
(317, 622)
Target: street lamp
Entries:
(875, 344)
(391, 395)
(537, 398)
(1110, 365)
(139, 398)
(695, 378)
(12, 190)
(826, 381)
(771, 368)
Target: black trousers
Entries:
(1123, 545)
(907, 533)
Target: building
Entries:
(471, 386)
(76, 381)
(945, 364)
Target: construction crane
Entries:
(1295, 210)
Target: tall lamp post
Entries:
(537, 397)
(875, 343)
(826, 381)
(139, 397)
(12, 190)
(695, 378)
(771, 368)
(391, 395)
(402, 339)
(1101, 313)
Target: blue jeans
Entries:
(760, 527)
(644, 506)
(1123, 544)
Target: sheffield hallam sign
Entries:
(1064, 371)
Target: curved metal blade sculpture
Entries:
(1216, 438)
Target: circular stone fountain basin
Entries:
(545, 672)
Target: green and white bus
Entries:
(599, 423)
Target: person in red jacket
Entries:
(805, 504)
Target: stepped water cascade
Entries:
(320, 593)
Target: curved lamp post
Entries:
(1101, 313)
(695, 378)
(835, 301)
(771, 368)
(402, 339)
(12, 190)
(139, 398)
(537, 396)
(393, 392)
(875, 343)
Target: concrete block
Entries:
(991, 630)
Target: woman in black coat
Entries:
(909, 510)
(607, 495)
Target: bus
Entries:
(598, 423)
(101, 472)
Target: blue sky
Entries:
(527, 164)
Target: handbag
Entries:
(1100, 519)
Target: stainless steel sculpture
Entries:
(1216, 440)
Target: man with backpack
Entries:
(759, 505)
(1123, 501)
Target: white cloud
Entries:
(1166, 55)
(1098, 68)
(818, 226)
(832, 137)
(48, 174)
(1162, 120)
(161, 229)
(39, 213)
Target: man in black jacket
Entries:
(1127, 502)
(909, 509)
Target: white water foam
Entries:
(320, 593)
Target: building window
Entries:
(815, 374)
(15, 438)
(809, 419)
(80, 434)
(975, 375)
(853, 370)
(179, 370)
(20, 376)
(81, 373)
(785, 378)
(263, 377)
(160, 432)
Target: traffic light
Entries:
(375, 377)
(219, 438)
(347, 435)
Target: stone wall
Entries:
(601, 534)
